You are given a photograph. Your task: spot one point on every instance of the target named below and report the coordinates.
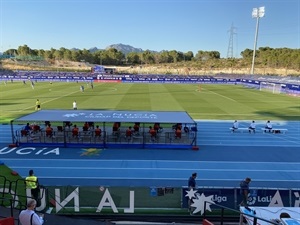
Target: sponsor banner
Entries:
(224, 197)
(295, 198)
(48, 78)
(231, 197)
(128, 199)
(288, 88)
(177, 82)
(269, 198)
(107, 81)
(174, 80)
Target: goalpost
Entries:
(272, 87)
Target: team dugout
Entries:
(105, 129)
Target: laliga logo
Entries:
(199, 200)
(272, 200)
(251, 199)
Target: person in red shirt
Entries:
(153, 133)
(85, 126)
(116, 129)
(128, 133)
(75, 131)
(98, 131)
(156, 127)
(116, 126)
(49, 131)
(136, 128)
(178, 133)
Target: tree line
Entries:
(265, 57)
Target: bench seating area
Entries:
(241, 130)
(274, 130)
(264, 130)
(64, 135)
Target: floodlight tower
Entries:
(256, 13)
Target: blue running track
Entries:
(224, 158)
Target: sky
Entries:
(181, 25)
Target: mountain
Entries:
(120, 47)
(95, 49)
(124, 48)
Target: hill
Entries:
(125, 49)
(152, 62)
(186, 68)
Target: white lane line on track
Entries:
(152, 168)
(164, 161)
(162, 178)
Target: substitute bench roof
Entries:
(109, 116)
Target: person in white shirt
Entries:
(75, 105)
(268, 126)
(252, 127)
(235, 125)
(29, 217)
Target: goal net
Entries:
(271, 87)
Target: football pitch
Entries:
(210, 101)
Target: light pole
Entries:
(256, 13)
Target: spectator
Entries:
(284, 215)
(75, 131)
(35, 128)
(186, 129)
(91, 125)
(244, 191)
(136, 128)
(116, 128)
(29, 217)
(252, 127)
(49, 131)
(98, 131)
(32, 183)
(177, 126)
(68, 124)
(27, 128)
(191, 186)
(128, 133)
(235, 125)
(152, 133)
(178, 133)
(156, 127)
(268, 126)
(192, 181)
(85, 126)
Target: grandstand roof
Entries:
(109, 116)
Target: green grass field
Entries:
(224, 102)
